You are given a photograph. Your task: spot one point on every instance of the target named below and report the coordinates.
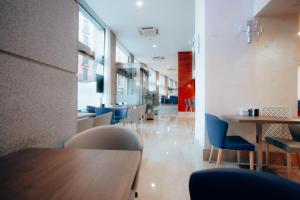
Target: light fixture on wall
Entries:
(252, 29)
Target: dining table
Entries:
(259, 121)
(37, 173)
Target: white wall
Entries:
(240, 75)
(200, 65)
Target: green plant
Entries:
(152, 101)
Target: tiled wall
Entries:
(38, 66)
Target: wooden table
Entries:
(259, 121)
(68, 174)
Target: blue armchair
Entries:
(119, 114)
(236, 184)
(217, 135)
(101, 111)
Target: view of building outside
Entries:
(121, 55)
(152, 81)
(162, 89)
(92, 35)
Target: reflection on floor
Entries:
(170, 156)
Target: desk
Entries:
(68, 174)
(259, 121)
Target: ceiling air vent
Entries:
(159, 58)
(148, 31)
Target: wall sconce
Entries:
(253, 28)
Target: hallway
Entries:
(169, 158)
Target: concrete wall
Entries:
(240, 75)
(38, 66)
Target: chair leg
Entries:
(289, 164)
(267, 155)
(251, 160)
(239, 157)
(211, 154)
(219, 159)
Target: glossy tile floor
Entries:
(170, 156)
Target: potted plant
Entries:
(152, 101)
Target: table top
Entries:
(68, 174)
(81, 115)
(262, 119)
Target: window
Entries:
(84, 74)
(162, 85)
(152, 81)
(92, 35)
(122, 56)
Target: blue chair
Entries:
(119, 114)
(91, 109)
(173, 100)
(290, 146)
(101, 111)
(217, 135)
(237, 184)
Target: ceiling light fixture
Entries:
(299, 33)
(154, 46)
(139, 3)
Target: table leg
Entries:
(259, 152)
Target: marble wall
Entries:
(38, 66)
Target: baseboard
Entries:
(276, 158)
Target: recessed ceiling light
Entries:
(139, 3)
(299, 33)
(154, 46)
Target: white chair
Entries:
(109, 138)
(142, 111)
(84, 124)
(133, 117)
(103, 120)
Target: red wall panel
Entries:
(186, 85)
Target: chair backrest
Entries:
(103, 120)
(216, 130)
(295, 132)
(91, 109)
(236, 184)
(106, 137)
(133, 115)
(84, 124)
(121, 113)
(142, 110)
(276, 130)
(101, 111)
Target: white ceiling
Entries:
(174, 18)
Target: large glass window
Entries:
(90, 59)
(122, 56)
(152, 81)
(162, 89)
